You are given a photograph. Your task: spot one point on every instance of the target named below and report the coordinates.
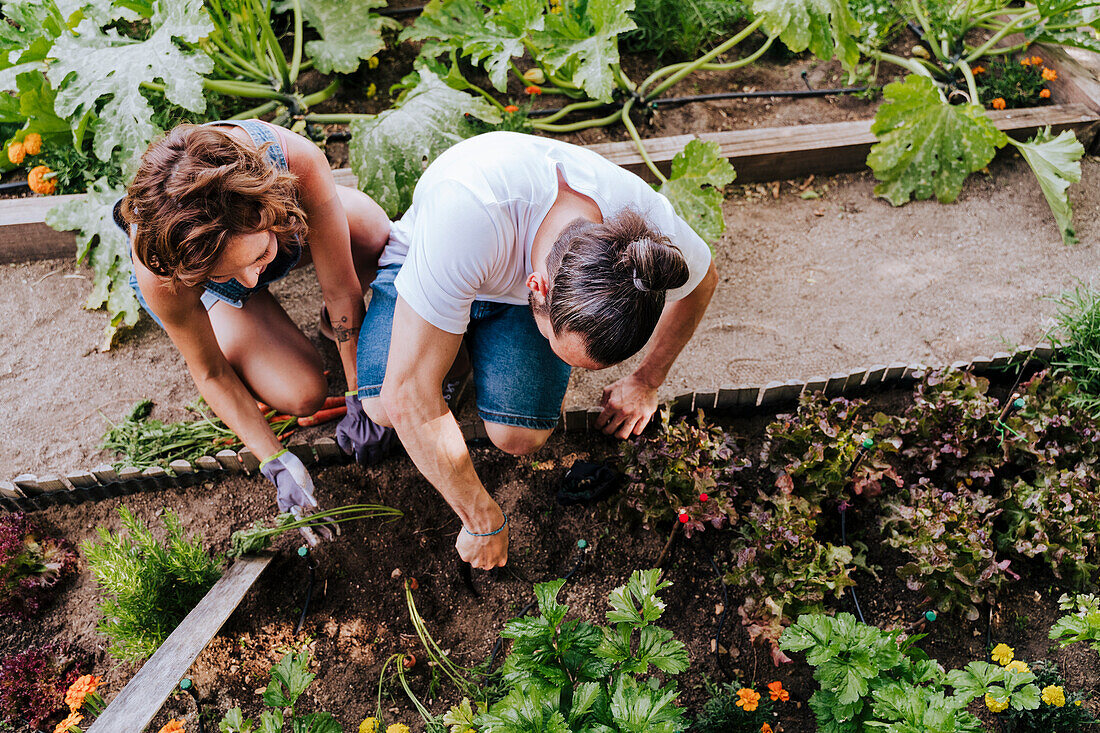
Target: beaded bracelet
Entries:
(498, 530)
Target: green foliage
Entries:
(870, 680)
(694, 187)
(948, 537)
(109, 258)
(148, 586)
(1017, 84)
(1081, 622)
(721, 713)
(669, 472)
(927, 146)
(259, 537)
(1078, 342)
(389, 152)
(1072, 717)
(1056, 163)
(682, 29)
(32, 563)
(824, 27)
(1002, 684)
(289, 679)
(783, 569)
(879, 20)
(572, 676)
(816, 453)
(1053, 517)
(349, 32)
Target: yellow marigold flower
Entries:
(398, 728)
(1018, 665)
(16, 153)
(998, 103)
(69, 723)
(1045, 94)
(370, 725)
(1049, 74)
(372, 62)
(1054, 695)
(748, 699)
(173, 726)
(83, 686)
(1003, 654)
(32, 143)
(994, 704)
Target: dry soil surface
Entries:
(808, 287)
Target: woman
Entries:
(215, 214)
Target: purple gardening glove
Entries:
(293, 490)
(359, 436)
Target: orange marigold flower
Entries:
(766, 729)
(68, 723)
(1049, 74)
(775, 689)
(39, 183)
(511, 108)
(533, 89)
(87, 684)
(978, 70)
(32, 143)
(173, 726)
(1036, 60)
(1025, 61)
(998, 103)
(1045, 94)
(16, 152)
(748, 699)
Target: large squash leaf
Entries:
(95, 65)
(92, 217)
(1056, 162)
(349, 31)
(490, 39)
(825, 27)
(925, 145)
(1066, 23)
(699, 173)
(582, 43)
(26, 37)
(389, 151)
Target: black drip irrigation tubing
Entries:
(14, 185)
(303, 552)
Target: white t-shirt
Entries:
(476, 209)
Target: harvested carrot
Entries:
(263, 406)
(323, 416)
(331, 402)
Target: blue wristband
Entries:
(498, 530)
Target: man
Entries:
(543, 255)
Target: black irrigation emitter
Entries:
(189, 687)
(311, 564)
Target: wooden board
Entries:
(142, 698)
(758, 154)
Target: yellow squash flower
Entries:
(1003, 654)
(1054, 695)
(994, 704)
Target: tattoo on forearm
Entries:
(342, 331)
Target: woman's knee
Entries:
(515, 440)
(376, 411)
(307, 397)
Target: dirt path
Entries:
(809, 287)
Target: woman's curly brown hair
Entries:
(196, 188)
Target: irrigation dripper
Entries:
(1015, 402)
(189, 687)
(926, 617)
(311, 564)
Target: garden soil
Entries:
(809, 286)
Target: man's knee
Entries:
(376, 411)
(516, 441)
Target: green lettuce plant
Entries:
(569, 675)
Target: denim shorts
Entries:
(519, 379)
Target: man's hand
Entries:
(628, 404)
(484, 553)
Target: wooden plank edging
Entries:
(142, 697)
